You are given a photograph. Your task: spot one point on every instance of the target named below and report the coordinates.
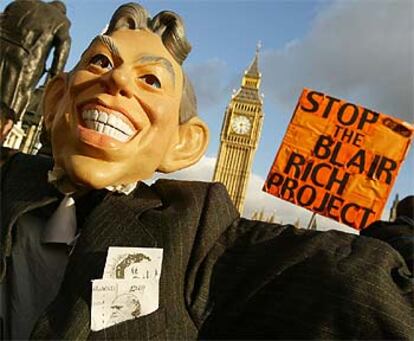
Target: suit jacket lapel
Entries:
(27, 188)
(113, 222)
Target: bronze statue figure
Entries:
(29, 30)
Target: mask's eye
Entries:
(102, 61)
(151, 80)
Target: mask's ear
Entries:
(193, 137)
(53, 94)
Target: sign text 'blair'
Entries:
(339, 159)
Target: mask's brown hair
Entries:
(170, 27)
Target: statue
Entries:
(29, 30)
(124, 112)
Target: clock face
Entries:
(241, 124)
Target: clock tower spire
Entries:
(240, 135)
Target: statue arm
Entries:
(62, 42)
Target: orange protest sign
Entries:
(339, 159)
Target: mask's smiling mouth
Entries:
(107, 122)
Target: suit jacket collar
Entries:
(25, 183)
(24, 187)
(147, 198)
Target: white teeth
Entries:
(118, 135)
(89, 124)
(113, 120)
(107, 124)
(101, 127)
(122, 137)
(107, 130)
(103, 117)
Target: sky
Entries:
(361, 51)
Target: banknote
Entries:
(129, 287)
(118, 300)
(133, 263)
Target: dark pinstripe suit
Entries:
(222, 277)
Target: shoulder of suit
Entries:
(207, 199)
(22, 168)
(309, 243)
(185, 191)
(184, 187)
(27, 161)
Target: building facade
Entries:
(25, 134)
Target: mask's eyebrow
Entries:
(109, 43)
(105, 40)
(149, 59)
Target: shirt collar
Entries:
(61, 226)
(61, 181)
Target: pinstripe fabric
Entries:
(223, 277)
(22, 194)
(298, 284)
(399, 234)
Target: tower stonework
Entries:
(240, 134)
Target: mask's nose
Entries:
(118, 81)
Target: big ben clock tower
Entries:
(240, 135)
